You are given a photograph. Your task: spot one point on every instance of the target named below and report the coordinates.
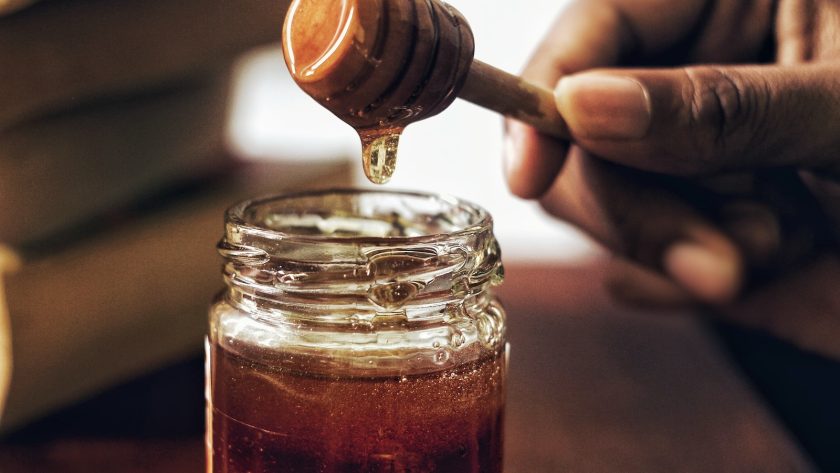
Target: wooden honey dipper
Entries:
(381, 65)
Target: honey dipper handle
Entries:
(514, 97)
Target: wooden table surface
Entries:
(592, 389)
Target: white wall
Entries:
(457, 152)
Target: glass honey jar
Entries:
(358, 332)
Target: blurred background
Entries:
(127, 127)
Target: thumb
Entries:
(707, 119)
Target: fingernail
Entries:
(604, 107)
(712, 276)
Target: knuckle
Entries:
(721, 105)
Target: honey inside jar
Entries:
(358, 333)
(276, 417)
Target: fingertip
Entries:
(711, 273)
(531, 160)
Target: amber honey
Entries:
(358, 333)
(270, 420)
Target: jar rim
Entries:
(338, 253)
(479, 219)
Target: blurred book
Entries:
(129, 297)
(60, 54)
(58, 170)
(113, 184)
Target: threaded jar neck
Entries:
(357, 256)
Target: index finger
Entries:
(602, 33)
(588, 34)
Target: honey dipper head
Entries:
(378, 63)
(317, 35)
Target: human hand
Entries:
(719, 182)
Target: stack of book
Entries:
(113, 185)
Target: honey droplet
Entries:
(379, 156)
